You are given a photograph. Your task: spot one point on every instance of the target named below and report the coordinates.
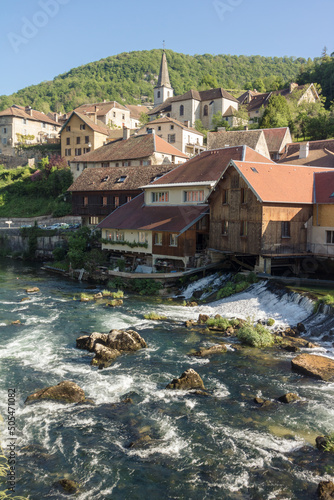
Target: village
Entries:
(169, 200)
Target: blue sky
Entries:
(40, 39)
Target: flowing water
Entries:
(221, 446)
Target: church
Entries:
(191, 106)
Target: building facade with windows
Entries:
(109, 113)
(23, 124)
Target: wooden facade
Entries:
(241, 224)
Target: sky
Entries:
(40, 39)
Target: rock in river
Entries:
(325, 490)
(125, 340)
(104, 356)
(314, 366)
(64, 392)
(188, 380)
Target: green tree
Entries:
(218, 121)
(277, 113)
(143, 118)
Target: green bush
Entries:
(270, 322)
(226, 291)
(222, 323)
(330, 443)
(59, 253)
(116, 282)
(145, 287)
(255, 336)
(154, 316)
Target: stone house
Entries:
(137, 150)
(186, 139)
(80, 135)
(254, 139)
(110, 113)
(19, 121)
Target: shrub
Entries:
(154, 316)
(226, 291)
(116, 283)
(329, 446)
(222, 323)
(59, 253)
(117, 295)
(121, 264)
(241, 286)
(270, 322)
(258, 336)
(145, 287)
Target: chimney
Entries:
(126, 133)
(304, 150)
(187, 123)
(246, 127)
(28, 109)
(293, 86)
(55, 117)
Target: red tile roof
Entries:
(321, 154)
(21, 112)
(324, 187)
(275, 137)
(135, 215)
(209, 165)
(107, 178)
(273, 183)
(137, 146)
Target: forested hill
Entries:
(129, 76)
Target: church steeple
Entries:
(163, 89)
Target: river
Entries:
(222, 446)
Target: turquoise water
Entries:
(221, 446)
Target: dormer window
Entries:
(194, 196)
(160, 197)
(105, 179)
(122, 178)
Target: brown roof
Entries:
(137, 146)
(162, 108)
(209, 165)
(208, 95)
(275, 137)
(108, 179)
(273, 183)
(167, 119)
(324, 187)
(137, 216)
(97, 127)
(223, 138)
(258, 101)
(321, 154)
(101, 108)
(243, 97)
(136, 110)
(21, 112)
(231, 111)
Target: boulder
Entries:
(16, 322)
(24, 299)
(288, 398)
(203, 318)
(325, 490)
(115, 303)
(207, 351)
(64, 392)
(82, 342)
(188, 380)
(68, 486)
(33, 289)
(125, 340)
(98, 296)
(96, 338)
(301, 327)
(318, 367)
(104, 356)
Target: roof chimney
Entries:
(126, 133)
(187, 123)
(304, 150)
(28, 109)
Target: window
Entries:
(82, 126)
(114, 114)
(68, 128)
(84, 165)
(125, 164)
(159, 128)
(78, 140)
(224, 227)
(158, 239)
(86, 150)
(224, 197)
(5, 130)
(116, 201)
(159, 94)
(117, 164)
(206, 110)
(93, 221)
(160, 197)
(172, 127)
(67, 152)
(78, 151)
(110, 236)
(181, 110)
(128, 198)
(24, 121)
(122, 178)
(104, 201)
(105, 164)
(86, 139)
(235, 182)
(43, 125)
(142, 238)
(85, 201)
(4, 141)
(243, 228)
(243, 195)
(173, 240)
(330, 237)
(119, 236)
(78, 167)
(68, 141)
(285, 229)
(194, 196)
(123, 117)
(171, 138)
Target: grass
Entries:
(222, 323)
(154, 316)
(329, 443)
(255, 336)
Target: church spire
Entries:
(163, 80)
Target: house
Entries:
(191, 106)
(277, 139)
(186, 139)
(137, 150)
(98, 191)
(19, 123)
(80, 134)
(135, 114)
(255, 139)
(171, 217)
(110, 113)
(259, 212)
(313, 153)
(257, 102)
(321, 227)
